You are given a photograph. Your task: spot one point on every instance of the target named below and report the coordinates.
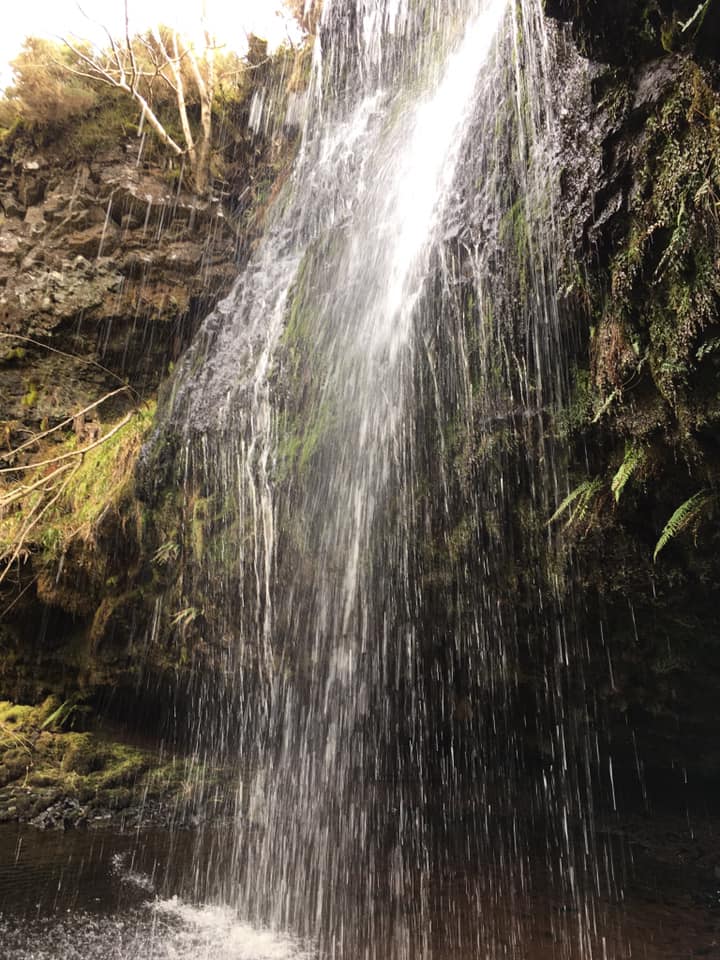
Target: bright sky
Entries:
(229, 19)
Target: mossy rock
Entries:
(83, 754)
(119, 798)
(42, 767)
(12, 714)
(123, 767)
(11, 770)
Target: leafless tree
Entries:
(138, 64)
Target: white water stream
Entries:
(309, 408)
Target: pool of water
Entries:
(106, 896)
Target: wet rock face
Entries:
(623, 32)
(604, 132)
(109, 263)
(106, 269)
(638, 158)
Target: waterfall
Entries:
(362, 434)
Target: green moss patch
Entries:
(68, 494)
(43, 766)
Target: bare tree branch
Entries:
(71, 453)
(65, 423)
(174, 64)
(130, 50)
(33, 520)
(134, 63)
(22, 491)
(120, 82)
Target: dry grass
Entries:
(63, 488)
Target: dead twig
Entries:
(72, 453)
(18, 598)
(35, 518)
(66, 423)
(21, 492)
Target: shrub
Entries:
(45, 93)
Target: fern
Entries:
(606, 406)
(166, 552)
(569, 499)
(684, 515)
(634, 458)
(710, 346)
(184, 617)
(64, 712)
(582, 496)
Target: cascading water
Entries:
(363, 423)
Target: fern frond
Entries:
(185, 617)
(634, 458)
(166, 552)
(585, 502)
(698, 16)
(569, 499)
(63, 713)
(683, 517)
(707, 348)
(582, 497)
(608, 402)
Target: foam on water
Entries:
(164, 930)
(215, 933)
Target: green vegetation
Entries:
(45, 94)
(190, 102)
(42, 764)
(52, 105)
(687, 514)
(65, 490)
(581, 499)
(649, 397)
(664, 282)
(301, 440)
(632, 462)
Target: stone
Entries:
(653, 82)
(183, 257)
(95, 241)
(31, 190)
(11, 206)
(35, 220)
(9, 246)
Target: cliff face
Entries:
(112, 265)
(641, 186)
(107, 266)
(107, 269)
(628, 32)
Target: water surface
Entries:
(106, 896)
